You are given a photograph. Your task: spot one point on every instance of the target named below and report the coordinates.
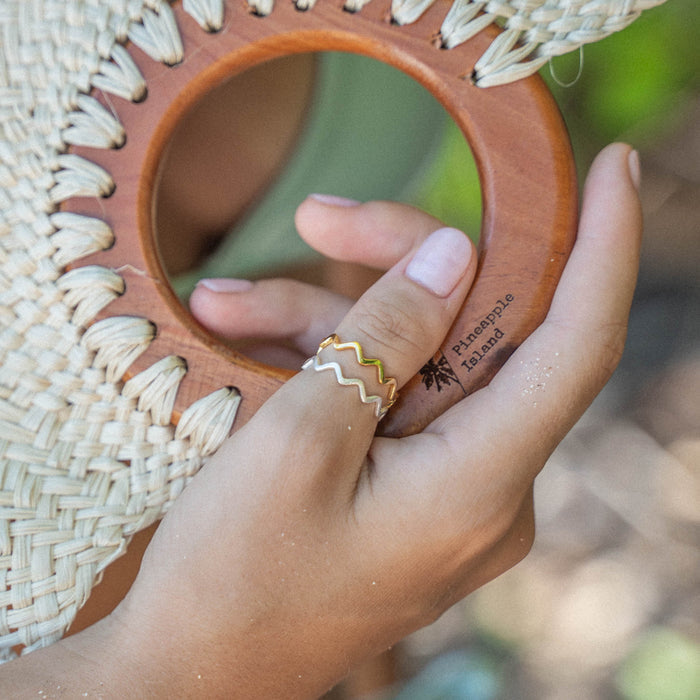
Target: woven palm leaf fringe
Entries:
(533, 30)
(87, 459)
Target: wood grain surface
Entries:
(522, 153)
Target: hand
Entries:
(307, 545)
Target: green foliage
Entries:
(635, 84)
(453, 193)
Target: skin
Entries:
(306, 545)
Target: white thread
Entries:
(120, 76)
(355, 5)
(88, 290)
(304, 5)
(156, 388)
(77, 177)
(408, 11)
(77, 236)
(158, 36)
(460, 24)
(117, 342)
(209, 14)
(536, 29)
(207, 422)
(92, 125)
(575, 79)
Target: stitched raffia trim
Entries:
(207, 422)
(533, 30)
(87, 459)
(117, 342)
(209, 14)
(157, 34)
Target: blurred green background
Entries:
(639, 85)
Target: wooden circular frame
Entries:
(522, 153)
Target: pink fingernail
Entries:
(635, 168)
(334, 200)
(441, 261)
(224, 285)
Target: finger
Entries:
(274, 309)
(401, 321)
(406, 314)
(377, 234)
(475, 461)
(552, 378)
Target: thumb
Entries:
(403, 318)
(392, 330)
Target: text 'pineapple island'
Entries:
(476, 344)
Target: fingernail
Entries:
(334, 200)
(441, 261)
(226, 285)
(635, 169)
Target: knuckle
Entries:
(465, 558)
(598, 366)
(614, 336)
(392, 328)
(523, 540)
(508, 531)
(598, 358)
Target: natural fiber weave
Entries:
(87, 459)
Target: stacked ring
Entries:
(381, 406)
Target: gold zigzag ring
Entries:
(379, 410)
(388, 382)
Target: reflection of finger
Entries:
(378, 234)
(550, 380)
(268, 309)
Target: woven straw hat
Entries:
(93, 450)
